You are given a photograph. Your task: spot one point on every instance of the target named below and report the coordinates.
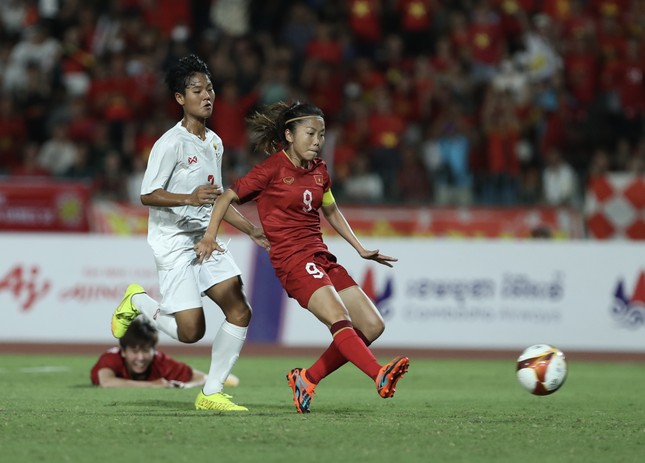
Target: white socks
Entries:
(150, 308)
(226, 348)
(225, 352)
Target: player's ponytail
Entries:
(267, 126)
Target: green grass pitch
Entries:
(443, 411)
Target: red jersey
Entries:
(162, 367)
(364, 19)
(288, 199)
(416, 15)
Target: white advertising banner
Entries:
(64, 288)
(451, 294)
(497, 295)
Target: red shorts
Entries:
(307, 276)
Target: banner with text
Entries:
(64, 288)
(440, 294)
(31, 204)
(496, 295)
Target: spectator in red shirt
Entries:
(230, 109)
(146, 137)
(485, 42)
(76, 63)
(343, 155)
(324, 86)
(365, 74)
(413, 181)
(423, 86)
(167, 15)
(502, 132)
(417, 17)
(558, 10)
(325, 46)
(138, 363)
(386, 131)
(82, 125)
(459, 35)
(512, 18)
(117, 97)
(581, 69)
(365, 24)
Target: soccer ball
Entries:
(541, 369)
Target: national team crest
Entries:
(288, 180)
(318, 179)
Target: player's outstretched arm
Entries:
(108, 379)
(236, 219)
(205, 247)
(198, 379)
(337, 220)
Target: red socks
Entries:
(330, 361)
(351, 347)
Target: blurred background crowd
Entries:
(453, 102)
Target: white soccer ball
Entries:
(541, 369)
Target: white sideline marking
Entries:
(44, 369)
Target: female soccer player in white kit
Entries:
(182, 181)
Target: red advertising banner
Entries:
(44, 205)
(128, 219)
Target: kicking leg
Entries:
(368, 324)
(325, 304)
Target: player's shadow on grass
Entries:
(155, 404)
(154, 407)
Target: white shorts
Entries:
(182, 287)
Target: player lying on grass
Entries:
(138, 363)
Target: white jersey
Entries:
(180, 162)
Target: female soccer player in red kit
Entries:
(289, 187)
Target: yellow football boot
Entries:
(218, 402)
(125, 312)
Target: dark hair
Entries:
(178, 75)
(141, 332)
(268, 125)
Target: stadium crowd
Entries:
(442, 102)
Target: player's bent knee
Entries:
(373, 330)
(239, 315)
(191, 335)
